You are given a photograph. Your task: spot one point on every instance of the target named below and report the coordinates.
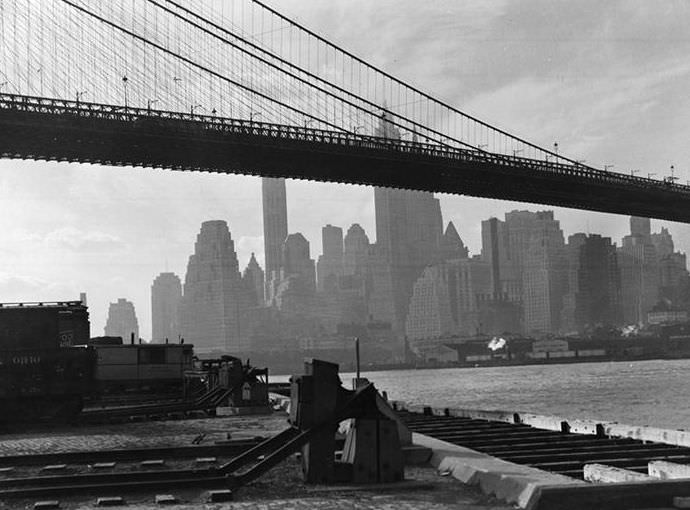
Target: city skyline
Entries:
(109, 232)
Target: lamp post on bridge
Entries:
(606, 167)
(124, 85)
(649, 176)
(252, 115)
(191, 109)
(80, 94)
(633, 172)
(149, 102)
(355, 128)
(308, 122)
(516, 152)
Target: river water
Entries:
(653, 393)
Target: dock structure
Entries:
(544, 462)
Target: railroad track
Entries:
(564, 453)
(206, 404)
(242, 462)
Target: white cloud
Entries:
(74, 239)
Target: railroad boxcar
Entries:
(141, 367)
(44, 372)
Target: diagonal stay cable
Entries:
(305, 72)
(195, 64)
(414, 89)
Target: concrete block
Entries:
(104, 465)
(205, 460)
(651, 434)
(110, 501)
(152, 463)
(54, 467)
(668, 470)
(602, 473)
(165, 499)
(46, 505)
(243, 411)
(219, 496)
(681, 502)
(512, 482)
(416, 455)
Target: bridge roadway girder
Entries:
(190, 146)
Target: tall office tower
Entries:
(537, 251)
(166, 293)
(409, 229)
(330, 265)
(275, 226)
(356, 251)
(446, 301)
(506, 281)
(295, 287)
(640, 275)
(673, 269)
(663, 242)
(214, 297)
(594, 287)
(640, 227)
(674, 283)
(253, 278)
(452, 247)
(122, 321)
(429, 315)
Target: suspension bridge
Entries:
(236, 87)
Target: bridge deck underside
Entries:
(45, 136)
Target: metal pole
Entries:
(357, 356)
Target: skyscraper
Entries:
(253, 278)
(330, 265)
(122, 321)
(356, 251)
(166, 293)
(215, 298)
(275, 226)
(640, 275)
(539, 249)
(295, 288)
(594, 287)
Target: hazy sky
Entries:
(610, 81)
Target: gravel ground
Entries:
(279, 489)
(282, 489)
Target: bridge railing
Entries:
(196, 123)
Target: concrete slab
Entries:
(601, 473)
(243, 411)
(665, 470)
(46, 505)
(54, 467)
(165, 499)
(513, 483)
(152, 463)
(219, 496)
(110, 501)
(104, 465)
